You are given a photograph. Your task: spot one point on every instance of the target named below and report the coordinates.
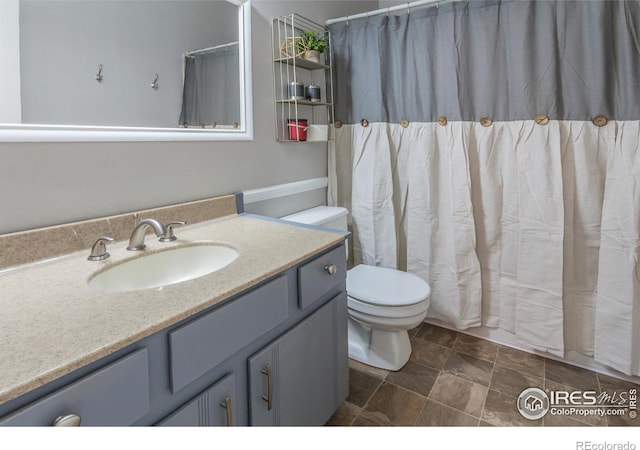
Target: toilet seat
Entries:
(386, 292)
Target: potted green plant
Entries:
(311, 45)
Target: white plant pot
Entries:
(312, 55)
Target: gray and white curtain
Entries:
(210, 87)
(499, 160)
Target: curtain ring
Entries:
(541, 119)
(364, 122)
(442, 120)
(213, 124)
(404, 123)
(600, 121)
(486, 121)
(236, 124)
(337, 124)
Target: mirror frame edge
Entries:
(70, 133)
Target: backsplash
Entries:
(33, 245)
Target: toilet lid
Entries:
(385, 287)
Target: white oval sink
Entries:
(164, 268)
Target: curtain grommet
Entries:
(600, 121)
(442, 120)
(541, 119)
(337, 124)
(364, 122)
(404, 123)
(486, 121)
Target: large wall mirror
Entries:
(101, 70)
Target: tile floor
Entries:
(453, 379)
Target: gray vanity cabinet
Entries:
(214, 407)
(275, 354)
(301, 377)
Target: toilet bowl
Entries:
(383, 303)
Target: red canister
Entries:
(297, 129)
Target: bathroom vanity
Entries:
(262, 341)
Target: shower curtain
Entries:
(493, 149)
(210, 87)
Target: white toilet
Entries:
(383, 303)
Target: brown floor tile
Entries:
(367, 419)
(459, 394)
(569, 375)
(428, 353)
(523, 362)
(344, 416)
(437, 335)
(396, 405)
(511, 382)
(594, 420)
(370, 370)
(615, 384)
(436, 414)
(616, 388)
(415, 377)
(470, 368)
(361, 387)
(474, 346)
(554, 420)
(501, 410)
(623, 421)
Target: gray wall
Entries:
(63, 43)
(45, 184)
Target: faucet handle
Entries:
(99, 249)
(168, 236)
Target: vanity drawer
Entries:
(116, 395)
(202, 344)
(321, 275)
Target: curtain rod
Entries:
(390, 9)
(209, 49)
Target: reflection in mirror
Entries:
(130, 66)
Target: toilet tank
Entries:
(322, 216)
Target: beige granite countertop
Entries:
(52, 323)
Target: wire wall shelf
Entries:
(302, 79)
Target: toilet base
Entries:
(383, 348)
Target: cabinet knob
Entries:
(331, 269)
(69, 420)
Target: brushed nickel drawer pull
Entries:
(69, 420)
(331, 269)
(226, 404)
(269, 397)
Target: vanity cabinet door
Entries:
(214, 407)
(302, 377)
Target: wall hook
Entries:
(154, 85)
(99, 76)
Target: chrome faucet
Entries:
(136, 241)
